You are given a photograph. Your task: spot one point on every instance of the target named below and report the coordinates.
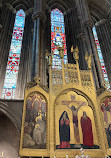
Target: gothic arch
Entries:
(11, 114)
(26, 4)
(58, 4)
(90, 105)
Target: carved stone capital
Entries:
(68, 11)
(0, 26)
(88, 23)
(48, 9)
(39, 15)
(103, 21)
(81, 36)
(0, 4)
(29, 11)
(10, 7)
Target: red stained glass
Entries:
(57, 37)
(101, 58)
(14, 57)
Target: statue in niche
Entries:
(64, 131)
(35, 123)
(86, 126)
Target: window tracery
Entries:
(14, 57)
(101, 59)
(57, 37)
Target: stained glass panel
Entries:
(101, 58)
(57, 37)
(14, 57)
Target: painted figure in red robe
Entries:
(86, 126)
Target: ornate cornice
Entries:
(39, 15)
(10, 7)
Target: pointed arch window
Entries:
(14, 57)
(57, 37)
(101, 59)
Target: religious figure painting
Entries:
(64, 130)
(75, 126)
(35, 123)
(106, 111)
(86, 126)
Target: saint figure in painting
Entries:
(75, 122)
(86, 126)
(64, 130)
(108, 132)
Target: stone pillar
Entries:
(82, 43)
(0, 15)
(47, 44)
(24, 74)
(75, 36)
(5, 39)
(87, 28)
(103, 29)
(39, 18)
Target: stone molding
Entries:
(10, 7)
(103, 21)
(29, 11)
(81, 36)
(88, 23)
(39, 15)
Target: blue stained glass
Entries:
(14, 57)
(101, 58)
(57, 37)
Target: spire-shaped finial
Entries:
(88, 60)
(75, 52)
(49, 57)
(37, 79)
(61, 51)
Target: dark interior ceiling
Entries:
(99, 9)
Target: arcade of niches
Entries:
(55, 76)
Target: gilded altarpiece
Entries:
(104, 101)
(35, 123)
(69, 115)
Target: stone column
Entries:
(39, 18)
(82, 43)
(5, 40)
(47, 44)
(24, 74)
(87, 28)
(75, 36)
(0, 15)
(103, 29)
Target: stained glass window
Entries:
(57, 37)
(101, 58)
(14, 57)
